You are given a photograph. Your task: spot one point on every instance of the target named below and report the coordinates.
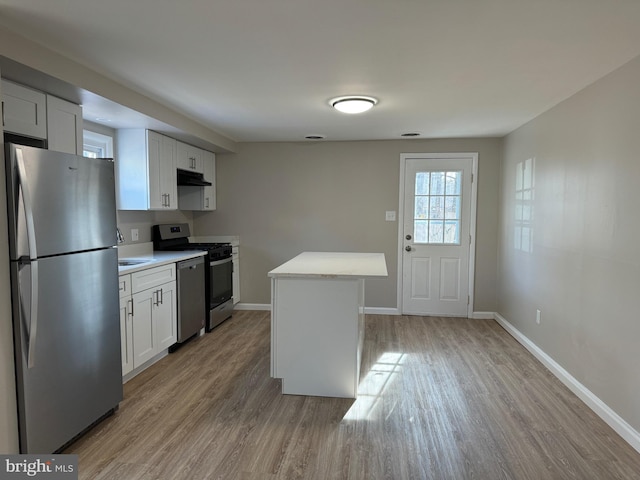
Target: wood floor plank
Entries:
(439, 398)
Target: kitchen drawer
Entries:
(152, 277)
(124, 285)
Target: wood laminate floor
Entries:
(440, 398)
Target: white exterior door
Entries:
(437, 230)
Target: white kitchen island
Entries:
(317, 321)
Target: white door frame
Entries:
(473, 156)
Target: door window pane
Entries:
(437, 207)
(452, 232)
(420, 229)
(422, 207)
(436, 231)
(436, 210)
(437, 183)
(453, 183)
(452, 208)
(422, 183)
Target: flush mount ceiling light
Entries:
(353, 104)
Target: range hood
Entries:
(191, 179)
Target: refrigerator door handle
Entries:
(33, 254)
(29, 313)
(26, 200)
(33, 320)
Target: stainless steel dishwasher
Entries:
(192, 308)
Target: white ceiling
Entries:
(264, 70)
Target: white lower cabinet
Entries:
(126, 323)
(154, 322)
(152, 308)
(144, 342)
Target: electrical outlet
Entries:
(390, 216)
(538, 317)
(134, 235)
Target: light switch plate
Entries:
(390, 216)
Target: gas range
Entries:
(215, 251)
(175, 237)
(219, 275)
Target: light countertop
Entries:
(333, 264)
(156, 259)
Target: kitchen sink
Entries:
(128, 263)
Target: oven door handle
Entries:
(220, 262)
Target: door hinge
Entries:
(468, 299)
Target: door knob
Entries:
(408, 237)
(408, 248)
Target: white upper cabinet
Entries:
(209, 193)
(146, 171)
(64, 126)
(201, 198)
(190, 158)
(32, 113)
(23, 110)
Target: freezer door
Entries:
(75, 375)
(58, 203)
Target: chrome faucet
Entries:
(120, 236)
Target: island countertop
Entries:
(333, 264)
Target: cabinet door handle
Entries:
(161, 296)
(131, 309)
(206, 202)
(3, 114)
(168, 199)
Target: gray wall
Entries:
(285, 198)
(583, 270)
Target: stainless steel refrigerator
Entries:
(64, 280)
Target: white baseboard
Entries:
(381, 311)
(252, 306)
(367, 310)
(615, 421)
(483, 315)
